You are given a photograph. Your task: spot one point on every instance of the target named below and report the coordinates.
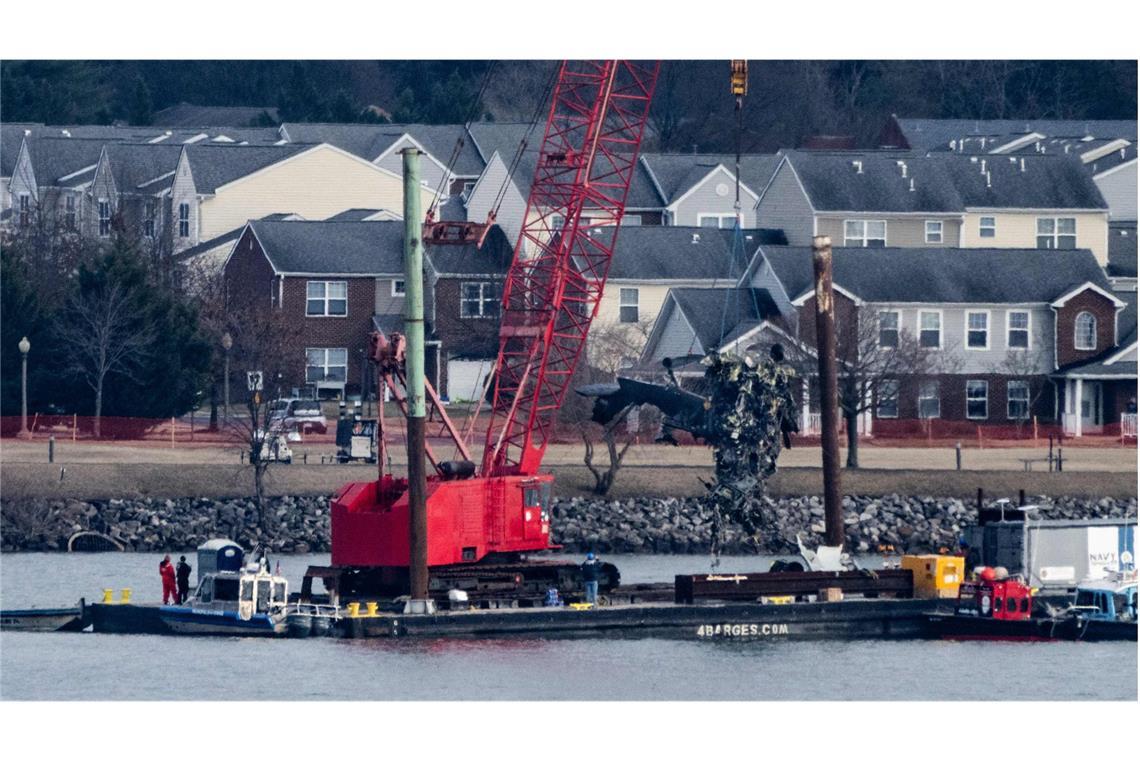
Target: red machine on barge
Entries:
(483, 519)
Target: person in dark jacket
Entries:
(591, 574)
(183, 572)
(169, 588)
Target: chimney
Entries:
(983, 143)
(1122, 154)
(696, 238)
(1022, 165)
(988, 184)
(911, 183)
(1066, 148)
(858, 166)
(983, 166)
(902, 165)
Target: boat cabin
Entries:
(1107, 600)
(228, 585)
(988, 597)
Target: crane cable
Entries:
(462, 140)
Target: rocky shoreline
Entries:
(300, 525)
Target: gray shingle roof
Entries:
(136, 165)
(942, 182)
(56, 157)
(1112, 160)
(677, 173)
(350, 248)
(493, 259)
(927, 134)
(679, 253)
(719, 315)
(354, 215)
(942, 275)
(1122, 249)
(11, 135)
(215, 165)
(369, 141)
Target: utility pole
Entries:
(414, 332)
(828, 389)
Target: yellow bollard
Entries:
(372, 609)
(108, 596)
(125, 596)
(354, 609)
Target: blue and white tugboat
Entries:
(233, 598)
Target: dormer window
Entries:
(104, 217)
(1084, 338)
(25, 209)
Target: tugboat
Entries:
(233, 598)
(999, 607)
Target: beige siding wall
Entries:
(1019, 230)
(902, 231)
(651, 297)
(318, 184)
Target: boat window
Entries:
(1120, 601)
(1086, 599)
(1025, 604)
(205, 591)
(263, 591)
(279, 592)
(1010, 604)
(247, 591)
(225, 589)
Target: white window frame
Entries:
(183, 220)
(860, 240)
(882, 394)
(623, 304)
(941, 329)
(927, 229)
(396, 293)
(70, 214)
(923, 388)
(325, 364)
(967, 330)
(1009, 386)
(25, 209)
(104, 221)
(325, 298)
(1028, 329)
(149, 215)
(898, 328)
(991, 227)
(486, 296)
(1077, 332)
(1056, 234)
(985, 385)
(720, 220)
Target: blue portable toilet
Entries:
(219, 555)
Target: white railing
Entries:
(811, 424)
(1128, 425)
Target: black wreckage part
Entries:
(748, 416)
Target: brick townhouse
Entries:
(340, 280)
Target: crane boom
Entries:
(562, 257)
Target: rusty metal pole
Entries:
(414, 331)
(828, 390)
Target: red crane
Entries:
(584, 167)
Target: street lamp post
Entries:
(227, 344)
(25, 347)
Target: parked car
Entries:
(297, 414)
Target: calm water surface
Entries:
(101, 667)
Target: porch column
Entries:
(1078, 397)
(805, 405)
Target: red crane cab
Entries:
(995, 595)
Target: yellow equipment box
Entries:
(936, 576)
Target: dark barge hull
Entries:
(852, 619)
(60, 619)
(963, 628)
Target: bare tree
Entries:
(105, 335)
(872, 361)
(264, 341)
(1024, 366)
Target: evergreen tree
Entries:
(141, 106)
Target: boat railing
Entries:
(330, 611)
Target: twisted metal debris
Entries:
(751, 415)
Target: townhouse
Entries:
(50, 185)
(699, 190)
(1015, 334)
(341, 280)
(877, 199)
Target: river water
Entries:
(37, 666)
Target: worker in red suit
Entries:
(169, 584)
